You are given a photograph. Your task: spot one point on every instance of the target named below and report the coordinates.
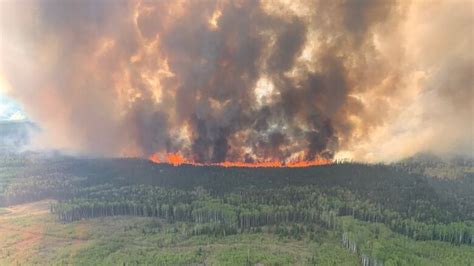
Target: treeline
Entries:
(36, 188)
(391, 187)
(218, 200)
(352, 246)
(232, 212)
(250, 209)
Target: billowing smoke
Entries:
(243, 80)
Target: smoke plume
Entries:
(243, 80)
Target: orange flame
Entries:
(177, 159)
(315, 162)
(255, 164)
(154, 158)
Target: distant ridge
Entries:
(15, 134)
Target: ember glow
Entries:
(177, 160)
(243, 83)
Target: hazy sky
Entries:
(10, 109)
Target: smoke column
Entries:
(245, 81)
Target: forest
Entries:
(344, 199)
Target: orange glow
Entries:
(154, 158)
(177, 159)
(213, 21)
(255, 164)
(315, 162)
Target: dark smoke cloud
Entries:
(229, 80)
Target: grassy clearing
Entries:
(331, 253)
(30, 235)
(168, 246)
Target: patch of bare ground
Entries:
(28, 209)
(29, 231)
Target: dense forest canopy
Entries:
(405, 198)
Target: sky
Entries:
(10, 109)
